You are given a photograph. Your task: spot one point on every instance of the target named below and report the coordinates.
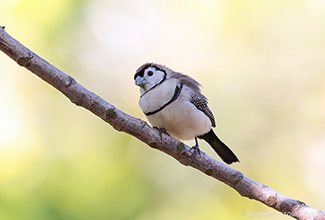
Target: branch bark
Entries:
(142, 131)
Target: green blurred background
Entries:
(262, 64)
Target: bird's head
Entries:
(150, 75)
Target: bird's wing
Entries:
(198, 99)
(201, 103)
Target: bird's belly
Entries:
(182, 120)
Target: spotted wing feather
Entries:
(201, 103)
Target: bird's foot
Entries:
(196, 150)
(161, 131)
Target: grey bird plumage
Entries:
(173, 101)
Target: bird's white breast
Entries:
(181, 118)
(158, 96)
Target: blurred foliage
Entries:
(262, 67)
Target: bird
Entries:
(173, 103)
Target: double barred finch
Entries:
(173, 102)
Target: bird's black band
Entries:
(178, 90)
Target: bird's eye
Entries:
(150, 73)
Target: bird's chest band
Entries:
(177, 91)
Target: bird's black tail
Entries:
(222, 150)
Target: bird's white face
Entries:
(149, 78)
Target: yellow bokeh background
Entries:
(262, 67)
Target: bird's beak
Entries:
(140, 81)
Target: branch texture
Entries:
(152, 137)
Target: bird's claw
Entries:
(196, 150)
(161, 130)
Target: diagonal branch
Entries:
(120, 121)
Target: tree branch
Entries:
(141, 130)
